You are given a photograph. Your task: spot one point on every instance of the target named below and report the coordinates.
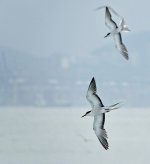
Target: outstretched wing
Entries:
(109, 21)
(110, 8)
(92, 97)
(120, 46)
(98, 127)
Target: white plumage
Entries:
(98, 111)
(115, 30)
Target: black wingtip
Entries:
(93, 80)
(125, 54)
(107, 8)
(92, 85)
(104, 144)
(127, 57)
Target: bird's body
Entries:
(98, 111)
(115, 30)
(121, 28)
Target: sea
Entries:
(37, 135)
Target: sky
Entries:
(45, 27)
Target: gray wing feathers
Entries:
(92, 97)
(98, 127)
(92, 86)
(123, 51)
(108, 20)
(91, 93)
(110, 8)
(104, 142)
(121, 47)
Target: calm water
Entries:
(60, 136)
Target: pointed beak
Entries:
(107, 35)
(83, 115)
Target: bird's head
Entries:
(88, 113)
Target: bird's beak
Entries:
(107, 35)
(83, 115)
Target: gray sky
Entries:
(43, 27)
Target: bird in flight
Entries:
(98, 111)
(115, 30)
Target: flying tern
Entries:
(98, 111)
(115, 30)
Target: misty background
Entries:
(49, 52)
(51, 49)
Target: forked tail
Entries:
(106, 109)
(124, 27)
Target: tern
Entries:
(116, 29)
(98, 111)
(122, 26)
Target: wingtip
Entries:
(106, 148)
(93, 80)
(105, 144)
(103, 139)
(92, 87)
(125, 54)
(127, 57)
(99, 8)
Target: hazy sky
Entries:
(43, 27)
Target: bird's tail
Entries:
(125, 28)
(111, 107)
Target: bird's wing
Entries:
(92, 97)
(120, 46)
(98, 127)
(110, 8)
(109, 21)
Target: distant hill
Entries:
(62, 79)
